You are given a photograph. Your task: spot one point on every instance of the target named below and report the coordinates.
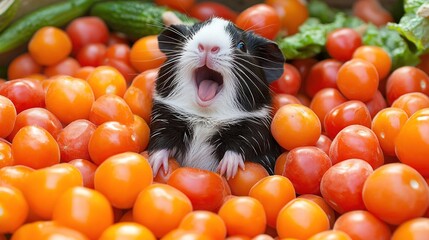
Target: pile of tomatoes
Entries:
(74, 128)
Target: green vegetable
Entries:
(311, 38)
(8, 9)
(57, 14)
(135, 19)
(321, 10)
(414, 25)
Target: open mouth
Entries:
(209, 83)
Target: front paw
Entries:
(159, 159)
(230, 163)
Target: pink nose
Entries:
(213, 49)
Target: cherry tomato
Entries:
(68, 66)
(24, 93)
(324, 101)
(121, 178)
(346, 114)
(413, 152)
(323, 204)
(243, 216)
(46, 230)
(23, 66)
(372, 12)
(274, 192)
(289, 82)
(141, 132)
(124, 68)
(305, 167)
(260, 18)
(46, 185)
(280, 164)
(180, 5)
(204, 188)
(403, 186)
(208, 9)
(301, 218)
(411, 102)
(417, 228)
(111, 138)
(356, 141)
(245, 179)
(127, 230)
(304, 66)
(6, 158)
(206, 223)
(161, 208)
(145, 54)
(84, 210)
(386, 125)
(7, 116)
(83, 72)
(362, 225)
(376, 104)
(292, 13)
(86, 169)
(35, 147)
(342, 42)
(331, 234)
(281, 99)
(106, 79)
(37, 117)
(322, 75)
(14, 176)
(74, 138)
(424, 63)
(379, 57)
(14, 209)
(342, 184)
(324, 143)
(405, 80)
(181, 234)
(91, 54)
(50, 40)
(162, 176)
(69, 99)
(110, 107)
(295, 125)
(358, 80)
(86, 30)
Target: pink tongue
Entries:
(207, 90)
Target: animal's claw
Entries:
(230, 163)
(158, 160)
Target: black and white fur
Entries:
(220, 133)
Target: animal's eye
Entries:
(242, 46)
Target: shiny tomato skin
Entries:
(342, 42)
(85, 30)
(322, 75)
(257, 18)
(205, 10)
(91, 54)
(289, 82)
(24, 93)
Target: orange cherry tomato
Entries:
(360, 224)
(50, 40)
(44, 187)
(69, 99)
(301, 218)
(74, 138)
(417, 228)
(84, 210)
(403, 186)
(121, 178)
(14, 176)
(145, 54)
(413, 152)
(46, 230)
(379, 57)
(35, 147)
(161, 208)
(295, 125)
(110, 107)
(411, 102)
(83, 72)
(292, 13)
(141, 132)
(180, 234)
(261, 18)
(323, 204)
(204, 222)
(331, 234)
(127, 230)
(13, 208)
(7, 116)
(111, 138)
(105, 80)
(68, 66)
(140, 102)
(280, 163)
(274, 192)
(23, 66)
(324, 101)
(6, 158)
(244, 180)
(243, 216)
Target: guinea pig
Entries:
(212, 102)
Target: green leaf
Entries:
(321, 10)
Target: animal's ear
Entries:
(271, 59)
(172, 38)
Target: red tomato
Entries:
(346, 114)
(86, 169)
(124, 68)
(304, 66)
(411, 102)
(260, 18)
(74, 138)
(289, 82)
(405, 80)
(205, 10)
(342, 185)
(324, 143)
(91, 54)
(23, 66)
(204, 188)
(281, 99)
(324, 101)
(180, 5)
(376, 104)
(24, 93)
(85, 30)
(322, 75)
(372, 11)
(342, 42)
(356, 141)
(305, 167)
(68, 66)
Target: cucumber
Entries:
(134, 19)
(57, 15)
(8, 9)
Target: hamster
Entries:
(212, 102)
